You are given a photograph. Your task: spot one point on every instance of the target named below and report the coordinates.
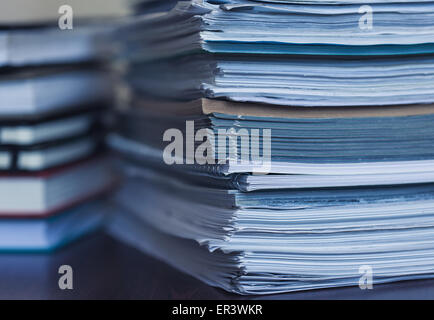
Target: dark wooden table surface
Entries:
(104, 268)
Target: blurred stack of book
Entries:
(271, 146)
(52, 95)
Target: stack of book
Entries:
(272, 146)
(52, 94)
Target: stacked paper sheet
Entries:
(273, 146)
(52, 95)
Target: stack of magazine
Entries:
(52, 95)
(273, 146)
